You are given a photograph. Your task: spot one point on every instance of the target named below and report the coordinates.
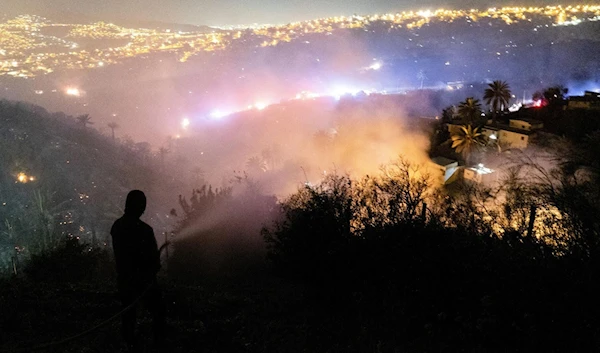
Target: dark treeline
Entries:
(456, 277)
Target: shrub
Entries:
(71, 261)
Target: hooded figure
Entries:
(138, 261)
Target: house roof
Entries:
(528, 120)
(443, 161)
(591, 94)
(586, 98)
(500, 127)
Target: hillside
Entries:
(61, 179)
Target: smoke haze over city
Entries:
(236, 12)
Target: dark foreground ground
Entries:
(250, 309)
(224, 314)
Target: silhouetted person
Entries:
(138, 262)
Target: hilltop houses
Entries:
(446, 171)
(472, 134)
(590, 101)
(514, 135)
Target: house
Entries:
(443, 169)
(480, 174)
(447, 171)
(525, 124)
(589, 100)
(514, 135)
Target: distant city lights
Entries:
(425, 14)
(71, 91)
(218, 114)
(261, 105)
(24, 178)
(340, 91)
(143, 41)
(307, 95)
(185, 123)
(515, 107)
(376, 66)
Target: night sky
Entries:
(225, 12)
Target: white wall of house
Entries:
(513, 139)
(573, 104)
(480, 174)
(524, 125)
(442, 173)
(490, 133)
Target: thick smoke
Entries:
(290, 144)
(276, 151)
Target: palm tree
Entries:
(497, 95)
(255, 165)
(470, 110)
(84, 120)
(112, 125)
(467, 140)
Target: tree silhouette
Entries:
(447, 114)
(112, 125)
(551, 96)
(555, 95)
(470, 110)
(497, 95)
(143, 151)
(85, 120)
(198, 174)
(467, 140)
(162, 153)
